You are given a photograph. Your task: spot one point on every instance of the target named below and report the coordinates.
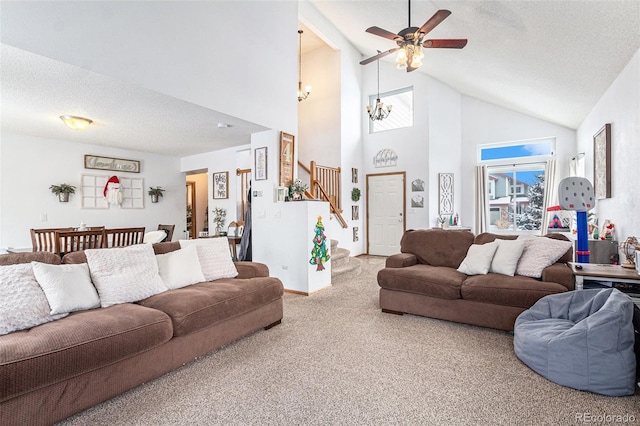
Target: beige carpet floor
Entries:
(337, 360)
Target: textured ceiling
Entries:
(548, 59)
(36, 90)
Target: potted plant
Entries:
(62, 191)
(219, 217)
(355, 194)
(297, 188)
(155, 193)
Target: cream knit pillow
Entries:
(540, 252)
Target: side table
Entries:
(604, 272)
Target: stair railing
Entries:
(325, 185)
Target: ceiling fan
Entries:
(411, 41)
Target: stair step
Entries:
(348, 270)
(339, 256)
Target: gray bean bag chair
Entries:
(581, 339)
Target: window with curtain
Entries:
(515, 187)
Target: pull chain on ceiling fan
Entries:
(411, 41)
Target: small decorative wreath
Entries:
(355, 194)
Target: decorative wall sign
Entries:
(109, 163)
(355, 234)
(385, 158)
(417, 185)
(354, 175)
(602, 162)
(355, 213)
(221, 185)
(287, 148)
(261, 163)
(445, 193)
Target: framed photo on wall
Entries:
(602, 162)
(221, 185)
(287, 148)
(261, 163)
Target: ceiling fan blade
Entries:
(449, 43)
(410, 68)
(378, 56)
(383, 33)
(437, 17)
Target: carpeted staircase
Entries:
(343, 265)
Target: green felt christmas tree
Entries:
(319, 253)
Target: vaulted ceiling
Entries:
(548, 59)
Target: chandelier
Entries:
(378, 111)
(302, 94)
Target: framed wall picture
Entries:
(354, 175)
(602, 162)
(261, 163)
(355, 213)
(287, 147)
(221, 185)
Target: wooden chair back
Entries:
(168, 229)
(44, 239)
(70, 241)
(122, 237)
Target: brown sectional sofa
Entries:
(423, 280)
(59, 368)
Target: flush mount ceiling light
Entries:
(75, 123)
(302, 95)
(223, 125)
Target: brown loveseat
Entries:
(423, 280)
(59, 368)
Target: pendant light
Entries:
(302, 95)
(378, 111)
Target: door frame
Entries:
(404, 200)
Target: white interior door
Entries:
(386, 213)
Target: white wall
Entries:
(202, 199)
(224, 160)
(620, 106)
(411, 144)
(349, 109)
(484, 123)
(29, 165)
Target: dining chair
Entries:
(44, 239)
(169, 230)
(70, 241)
(122, 237)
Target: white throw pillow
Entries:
(478, 259)
(505, 261)
(68, 288)
(153, 237)
(180, 268)
(214, 256)
(22, 302)
(125, 274)
(540, 252)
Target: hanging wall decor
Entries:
(261, 163)
(319, 254)
(602, 162)
(354, 175)
(286, 158)
(445, 193)
(355, 234)
(385, 158)
(417, 202)
(417, 185)
(221, 185)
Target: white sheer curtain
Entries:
(482, 208)
(550, 194)
(576, 165)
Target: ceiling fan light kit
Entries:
(411, 42)
(302, 94)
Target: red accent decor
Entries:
(582, 252)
